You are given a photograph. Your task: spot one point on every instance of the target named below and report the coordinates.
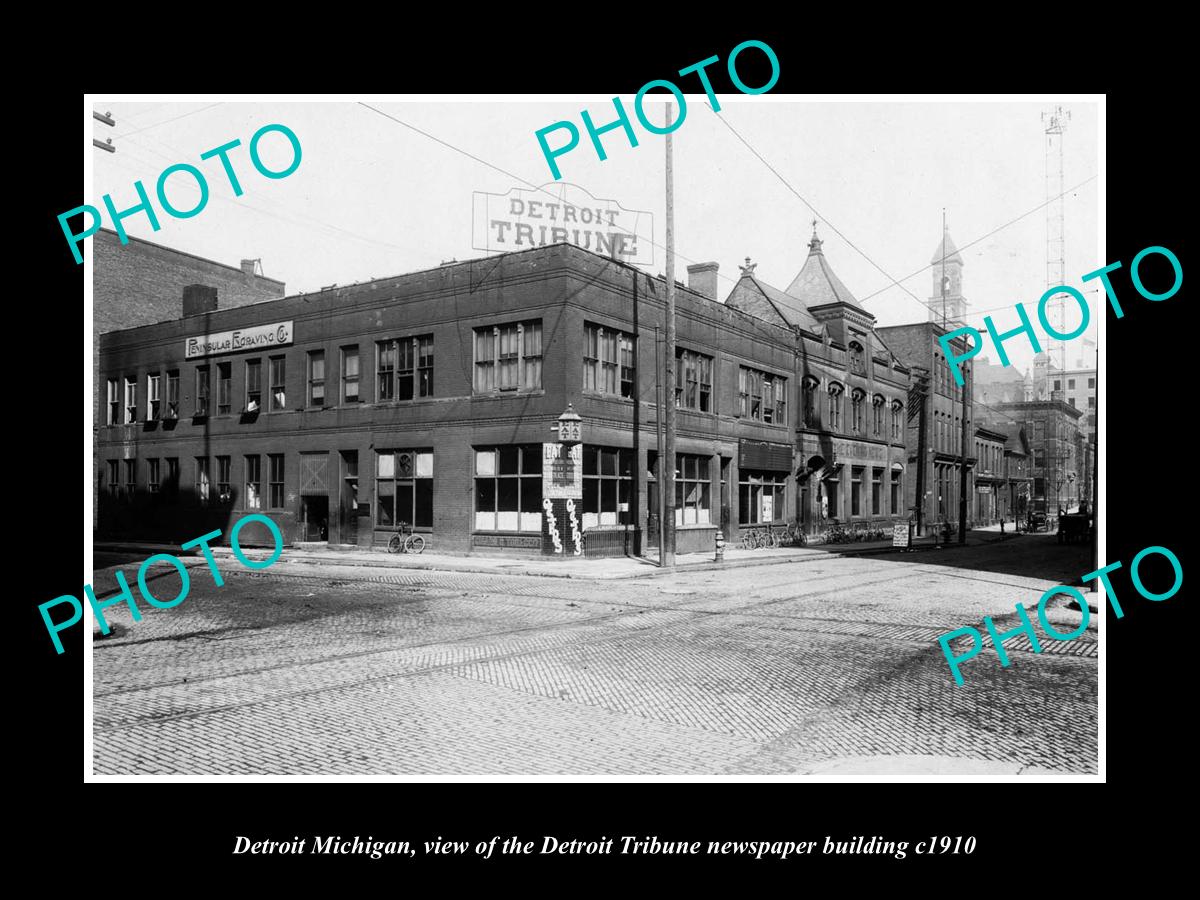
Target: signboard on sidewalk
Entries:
(900, 536)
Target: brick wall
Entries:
(141, 283)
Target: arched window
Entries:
(877, 403)
(897, 419)
(835, 406)
(857, 400)
(858, 358)
(809, 390)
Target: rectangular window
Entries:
(896, 420)
(1057, 384)
(876, 492)
(693, 490)
(114, 478)
(1071, 400)
(856, 477)
(173, 394)
(405, 368)
(254, 482)
(130, 400)
(114, 402)
(607, 486)
(275, 480)
(761, 497)
(1091, 402)
(385, 370)
(316, 378)
(1070, 384)
(171, 485)
(253, 385)
(130, 484)
(153, 396)
(224, 388)
(508, 488)
(202, 480)
(763, 396)
(404, 488)
(350, 374)
(278, 383)
(608, 361)
(897, 503)
(152, 479)
(224, 479)
(425, 366)
(508, 357)
(1091, 383)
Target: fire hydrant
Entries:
(719, 538)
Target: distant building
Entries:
(1057, 470)
(989, 476)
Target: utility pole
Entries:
(962, 459)
(667, 553)
(662, 458)
(922, 385)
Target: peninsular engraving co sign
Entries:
(278, 334)
(561, 212)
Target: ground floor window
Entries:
(693, 490)
(607, 486)
(761, 497)
(152, 480)
(202, 480)
(856, 477)
(877, 492)
(508, 488)
(275, 464)
(254, 482)
(224, 479)
(897, 503)
(114, 478)
(404, 488)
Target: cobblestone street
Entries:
(774, 669)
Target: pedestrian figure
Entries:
(1002, 524)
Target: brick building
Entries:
(1052, 429)
(851, 460)
(141, 282)
(429, 397)
(988, 477)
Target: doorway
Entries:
(314, 517)
(348, 511)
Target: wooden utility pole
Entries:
(658, 446)
(922, 385)
(667, 553)
(962, 459)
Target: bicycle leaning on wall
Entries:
(404, 541)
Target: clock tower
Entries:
(947, 301)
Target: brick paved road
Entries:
(769, 670)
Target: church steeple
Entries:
(947, 301)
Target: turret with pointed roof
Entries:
(947, 301)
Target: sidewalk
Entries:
(577, 567)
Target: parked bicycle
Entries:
(405, 541)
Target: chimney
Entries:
(702, 278)
(199, 298)
(248, 266)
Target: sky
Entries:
(373, 197)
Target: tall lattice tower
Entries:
(1056, 123)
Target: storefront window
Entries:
(404, 488)
(761, 497)
(693, 490)
(508, 488)
(607, 486)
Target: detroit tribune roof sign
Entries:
(561, 212)
(278, 334)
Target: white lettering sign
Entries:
(257, 337)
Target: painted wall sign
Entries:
(257, 337)
(525, 218)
